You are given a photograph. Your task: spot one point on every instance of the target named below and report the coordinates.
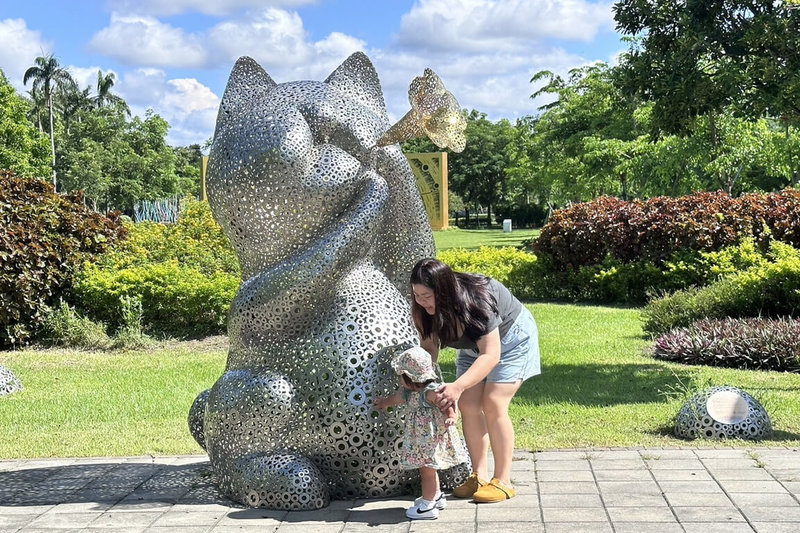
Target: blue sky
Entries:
(174, 56)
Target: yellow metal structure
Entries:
(430, 171)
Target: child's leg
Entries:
(430, 482)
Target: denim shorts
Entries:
(519, 353)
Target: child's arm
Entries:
(452, 416)
(450, 413)
(382, 402)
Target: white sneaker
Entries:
(426, 510)
(441, 501)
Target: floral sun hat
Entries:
(416, 363)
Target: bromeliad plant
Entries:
(744, 343)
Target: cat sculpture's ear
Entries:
(357, 79)
(248, 83)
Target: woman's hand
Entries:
(447, 395)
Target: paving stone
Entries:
(718, 527)
(356, 527)
(640, 514)
(752, 486)
(571, 500)
(502, 513)
(629, 487)
(567, 487)
(681, 475)
(574, 514)
(675, 464)
(647, 527)
(751, 499)
(777, 527)
(562, 465)
(623, 475)
(751, 474)
(634, 500)
(579, 527)
(772, 514)
(618, 464)
(708, 514)
(690, 486)
(566, 475)
(689, 499)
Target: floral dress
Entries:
(426, 440)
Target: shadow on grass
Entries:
(598, 385)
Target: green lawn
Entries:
(475, 238)
(598, 388)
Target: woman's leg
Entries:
(496, 399)
(473, 424)
(429, 479)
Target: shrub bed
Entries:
(616, 251)
(770, 287)
(44, 237)
(185, 275)
(510, 266)
(749, 343)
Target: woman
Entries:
(498, 349)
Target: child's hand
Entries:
(381, 402)
(450, 422)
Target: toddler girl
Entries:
(430, 441)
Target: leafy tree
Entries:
(478, 174)
(47, 75)
(188, 166)
(702, 58)
(23, 149)
(118, 162)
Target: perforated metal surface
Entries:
(744, 418)
(8, 382)
(326, 227)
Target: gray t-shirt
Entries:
(508, 309)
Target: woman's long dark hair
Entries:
(462, 300)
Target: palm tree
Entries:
(104, 96)
(71, 101)
(47, 75)
(38, 107)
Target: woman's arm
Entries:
(489, 350)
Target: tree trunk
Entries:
(52, 138)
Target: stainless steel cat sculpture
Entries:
(327, 226)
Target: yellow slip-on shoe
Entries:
(494, 491)
(468, 488)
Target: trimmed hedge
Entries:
(769, 288)
(510, 266)
(654, 230)
(185, 275)
(44, 237)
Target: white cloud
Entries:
(186, 96)
(480, 25)
(140, 40)
(19, 47)
(207, 7)
(270, 36)
(189, 106)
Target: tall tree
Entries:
(47, 74)
(23, 149)
(104, 95)
(698, 57)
